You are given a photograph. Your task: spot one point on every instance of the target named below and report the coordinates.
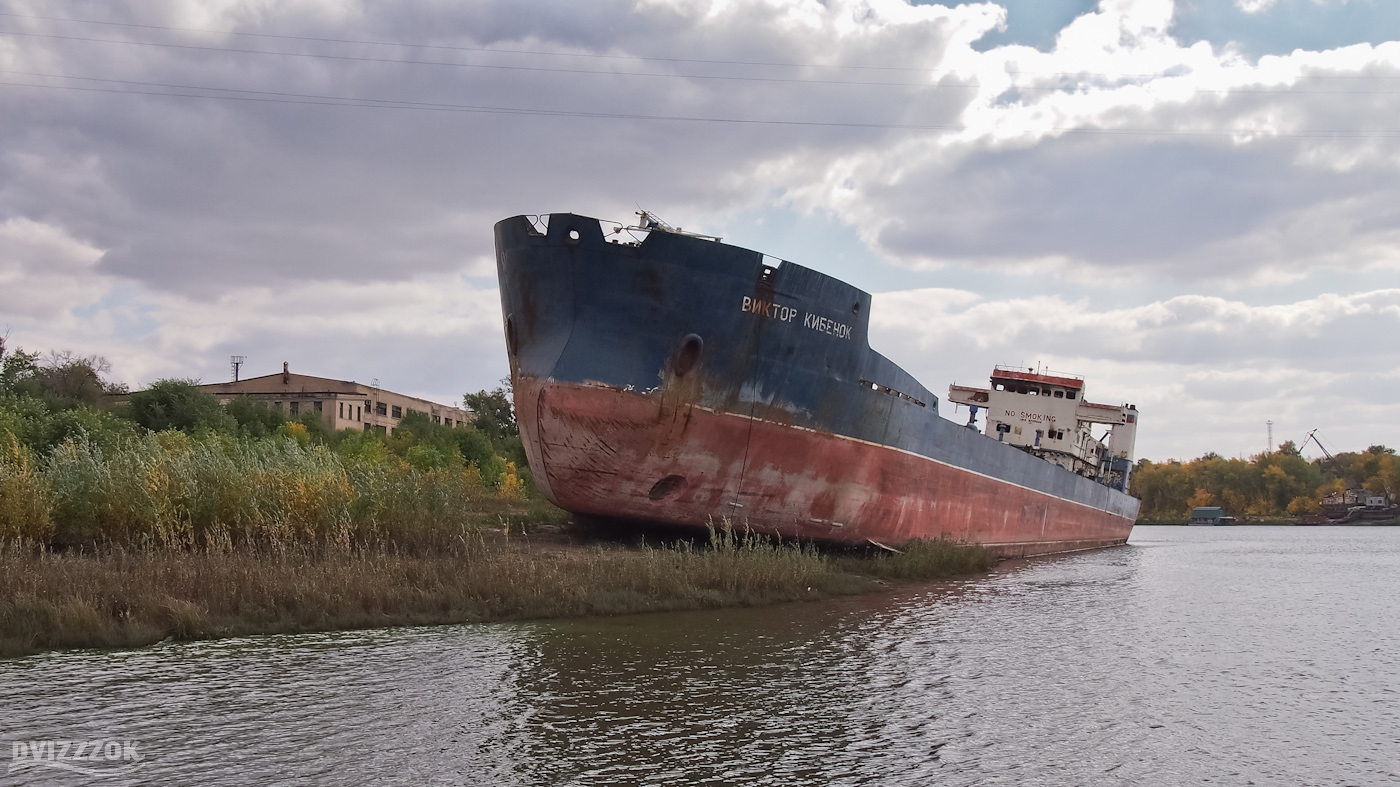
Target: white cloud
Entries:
(1254, 6)
(170, 232)
(44, 271)
(436, 336)
(1204, 370)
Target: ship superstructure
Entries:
(1046, 414)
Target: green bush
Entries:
(179, 404)
(254, 417)
(40, 428)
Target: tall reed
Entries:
(25, 502)
(173, 491)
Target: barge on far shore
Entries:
(663, 376)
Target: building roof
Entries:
(288, 383)
(305, 386)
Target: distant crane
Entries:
(1330, 458)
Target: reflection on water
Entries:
(1227, 656)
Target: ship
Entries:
(665, 377)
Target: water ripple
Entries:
(1193, 656)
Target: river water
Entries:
(1223, 656)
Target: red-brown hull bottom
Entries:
(604, 452)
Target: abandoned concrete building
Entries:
(342, 404)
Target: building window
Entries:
(359, 414)
(341, 414)
(294, 408)
(368, 405)
(1069, 394)
(381, 409)
(437, 419)
(398, 412)
(278, 405)
(366, 427)
(318, 407)
(1059, 394)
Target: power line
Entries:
(722, 77)
(453, 48)
(336, 101)
(311, 99)
(601, 56)
(667, 75)
(487, 66)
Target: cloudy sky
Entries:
(1195, 205)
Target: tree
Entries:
(62, 379)
(17, 369)
(69, 380)
(1301, 506)
(253, 416)
(493, 412)
(423, 442)
(179, 404)
(1201, 498)
(315, 425)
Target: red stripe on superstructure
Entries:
(602, 451)
(1032, 377)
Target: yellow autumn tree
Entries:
(1302, 506)
(1201, 498)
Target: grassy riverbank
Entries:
(179, 518)
(125, 598)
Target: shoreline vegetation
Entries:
(128, 519)
(1275, 487)
(529, 569)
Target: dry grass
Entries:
(124, 598)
